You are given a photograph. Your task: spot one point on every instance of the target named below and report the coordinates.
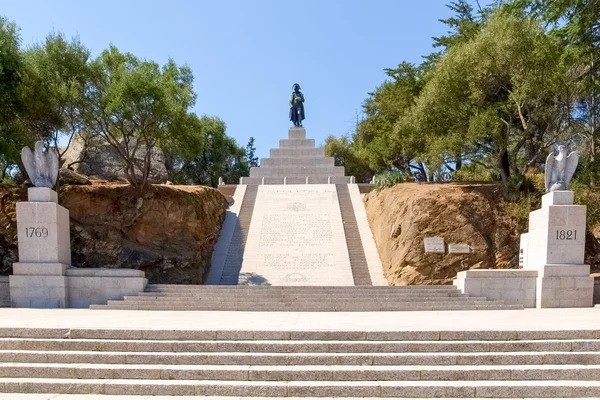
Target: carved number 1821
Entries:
(566, 234)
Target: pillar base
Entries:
(564, 286)
(39, 291)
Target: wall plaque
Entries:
(434, 245)
(459, 248)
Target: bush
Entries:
(473, 173)
(389, 178)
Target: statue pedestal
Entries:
(555, 248)
(39, 278)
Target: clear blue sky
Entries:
(246, 55)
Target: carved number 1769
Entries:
(566, 234)
(36, 232)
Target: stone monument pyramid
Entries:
(296, 161)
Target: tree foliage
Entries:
(507, 82)
(12, 136)
(54, 89)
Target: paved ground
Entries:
(16, 396)
(529, 319)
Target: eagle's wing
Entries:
(549, 170)
(29, 162)
(571, 166)
(52, 160)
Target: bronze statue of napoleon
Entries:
(297, 106)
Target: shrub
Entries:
(389, 178)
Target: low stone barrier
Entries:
(513, 286)
(98, 285)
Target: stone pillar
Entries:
(555, 248)
(39, 278)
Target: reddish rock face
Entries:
(402, 216)
(169, 234)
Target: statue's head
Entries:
(295, 87)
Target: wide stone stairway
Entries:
(303, 298)
(302, 364)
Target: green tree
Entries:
(12, 136)
(214, 155)
(345, 155)
(250, 153)
(375, 139)
(53, 89)
(497, 99)
(577, 24)
(462, 26)
(136, 105)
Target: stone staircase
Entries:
(303, 298)
(356, 253)
(235, 255)
(302, 364)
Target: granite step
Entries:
(317, 161)
(305, 303)
(402, 389)
(335, 373)
(330, 359)
(297, 153)
(214, 299)
(301, 346)
(297, 143)
(126, 306)
(54, 396)
(301, 364)
(301, 289)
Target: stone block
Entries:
(514, 287)
(21, 268)
(296, 133)
(43, 233)
(564, 291)
(558, 198)
(41, 194)
(89, 286)
(39, 291)
(297, 152)
(105, 272)
(297, 143)
(564, 270)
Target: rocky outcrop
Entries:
(93, 157)
(169, 233)
(68, 177)
(403, 215)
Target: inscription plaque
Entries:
(296, 237)
(459, 248)
(434, 245)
